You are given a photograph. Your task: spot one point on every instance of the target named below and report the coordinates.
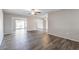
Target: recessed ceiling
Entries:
(26, 12)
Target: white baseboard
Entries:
(1, 40)
(7, 33)
(31, 30)
(65, 37)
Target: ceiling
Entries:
(25, 12)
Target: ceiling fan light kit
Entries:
(35, 11)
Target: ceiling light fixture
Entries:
(34, 11)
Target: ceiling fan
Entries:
(35, 11)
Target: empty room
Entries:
(39, 29)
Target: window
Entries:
(19, 24)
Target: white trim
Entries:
(8, 33)
(1, 41)
(65, 37)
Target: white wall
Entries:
(45, 23)
(9, 23)
(64, 23)
(31, 23)
(1, 26)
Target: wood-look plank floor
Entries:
(36, 40)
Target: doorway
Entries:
(19, 26)
(39, 24)
(42, 24)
